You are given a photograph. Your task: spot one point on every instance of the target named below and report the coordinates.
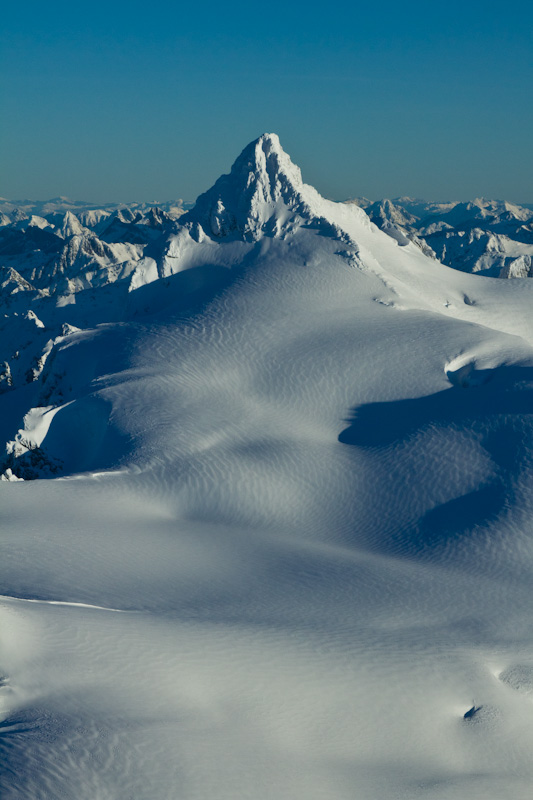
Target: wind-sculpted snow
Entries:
(281, 543)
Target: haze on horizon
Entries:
(122, 102)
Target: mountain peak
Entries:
(71, 226)
(266, 158)
(261, 191)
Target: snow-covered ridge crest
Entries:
(263, 193)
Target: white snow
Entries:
(490, 237)
(303, 459)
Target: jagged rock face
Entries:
(23, 347)
(81, 247)
(386, 210)
(71, 226)
(263, 196)
(12, 282)
(156, 218)
(257, 195)
(521, 267)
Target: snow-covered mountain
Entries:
(489, 237)
(280, 541)
(60, 255)
(89, 213)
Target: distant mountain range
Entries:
(488, 237)
(64, 246)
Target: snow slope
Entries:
(281, 543)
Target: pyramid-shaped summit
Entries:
(263, 190)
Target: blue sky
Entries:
(138, 101)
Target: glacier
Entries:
(266, 510)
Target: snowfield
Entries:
(267, 517)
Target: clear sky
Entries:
(126, 101)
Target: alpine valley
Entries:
(267, 496)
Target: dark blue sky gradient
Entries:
(138, 101)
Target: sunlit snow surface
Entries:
(291, 544)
